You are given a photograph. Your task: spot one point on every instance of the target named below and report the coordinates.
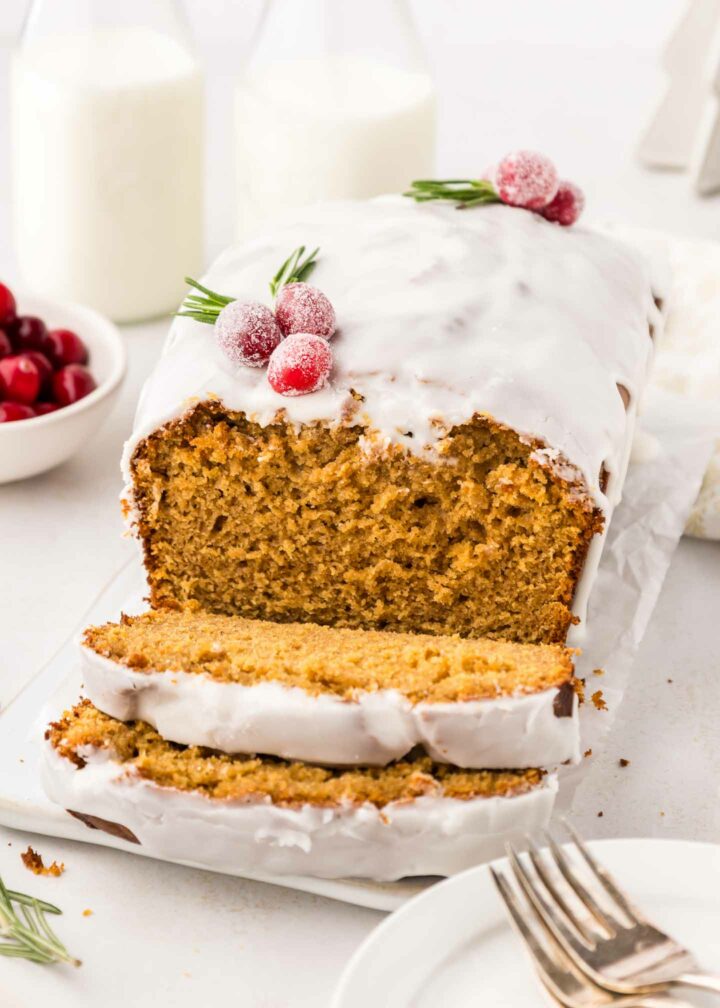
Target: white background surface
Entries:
(578, 81)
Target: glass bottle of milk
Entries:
(336, 102)
(107, 151)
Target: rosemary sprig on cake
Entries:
(464, 192)
(292, 339)
(295, 269)
(24, 931)
(522, 179)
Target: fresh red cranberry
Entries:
(300, 364)
(41, 408)
(526, 179)
(567, 205)
(10, 411)
(301, 308)
(247, 333)
(71, 383)
(5, 344)
(28, 333)
(63, 346)
(7, 306)
(44, 367)
(19, 378)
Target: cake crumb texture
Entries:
(324, 525)
(221, 776)
(321, 659)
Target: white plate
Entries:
(452, 946)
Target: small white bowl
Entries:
(29, 447)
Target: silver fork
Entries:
(564, 982)
(598, 928)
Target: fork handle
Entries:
(701, 981)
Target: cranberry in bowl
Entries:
(61, 366)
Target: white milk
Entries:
(107, 150)
(322, 129)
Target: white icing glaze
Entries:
(442, 314)
(195, 709)
(427, 836)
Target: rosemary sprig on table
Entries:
(206, 305)
(25, 933)
(464, 192)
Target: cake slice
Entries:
(335, 696)
(262, 816)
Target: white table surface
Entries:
(580, 89)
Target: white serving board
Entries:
(660, 488)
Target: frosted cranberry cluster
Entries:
(292, 339)
(41, 369)
(524, 179)
(530, 180)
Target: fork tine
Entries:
(576, 949)
(541, 869)
(549, 969)
(604, 877)
(605, 917)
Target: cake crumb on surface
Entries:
(598, 700)
(87, 913)
(588, 752)
(600, 815)
(34, 863)
(598, 671)
(624, 762)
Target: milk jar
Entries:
(107, 154)
(336, 102)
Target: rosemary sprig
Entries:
(27, 934)
(464, 192)
(206, 305)
(295, 269)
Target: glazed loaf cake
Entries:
(454, 476)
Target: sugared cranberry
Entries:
(526, 179)
(41, 408)
(28, 333)
(19, 379)
(567, 205)
(7, 306)
(10, 411)
(247, 332)
(63, 346)
(301, 308)
(44, 367)
(5, 344)
(71, 383)
(300, 364)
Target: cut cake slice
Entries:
(253, 815)
(337, 696)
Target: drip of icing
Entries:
(430, 835)
(375, 728)
(442, 314)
